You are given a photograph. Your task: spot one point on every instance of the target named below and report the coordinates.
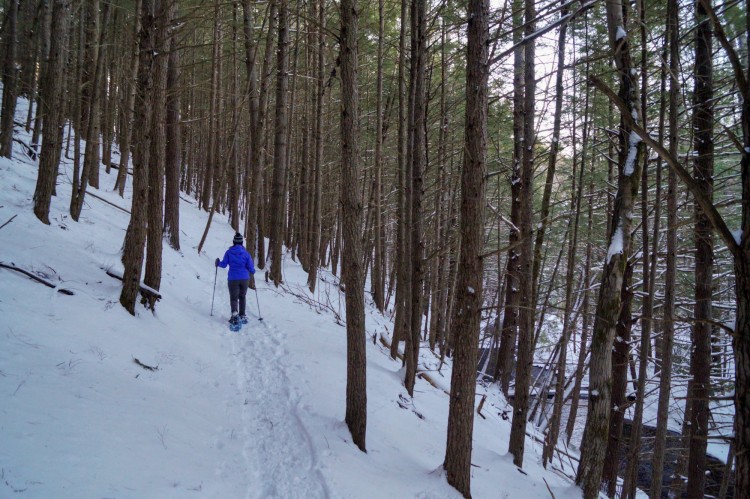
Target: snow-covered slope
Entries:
(252, 414)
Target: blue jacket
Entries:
(240, 263)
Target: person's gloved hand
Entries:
(216, 263)
(252, 282)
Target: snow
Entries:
(633, 142)
(621, 33)
(737, 236)
(255, 414)
(615, 246)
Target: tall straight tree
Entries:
(667, 341)
(51, 98)
(526, 306)
(595, 435)
(280, 145)
(10, 79)
(130, 92)
(403, 286)
(351, 206)
(741, 338)
(315, 220)
(504, 367)
(467, 309)
(135, 236)
(157, 157)
(415, 156)
(703, 165)
(378, 266)
(173, 158)
(554, 425)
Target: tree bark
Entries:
(526, 306)
(700, 358)
(131, 87)
(594, 442)
(10, 79)
(157, 157)
(51, 98)
(315, 221)
(280, 145)
(173, 158)
(135, 237)
(505, 358)
(466, 315)
(351, 203)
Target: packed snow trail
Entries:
(278, 453)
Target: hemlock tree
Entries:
(351, 206)
(135, 237)
(466, 314)
(594, 444)
(10, 79)
(278, 196)
(51, 99)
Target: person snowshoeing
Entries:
(240, 268)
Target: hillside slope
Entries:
(252, 414)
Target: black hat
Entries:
(237, 238)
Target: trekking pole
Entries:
(260, 317)
(212, 296)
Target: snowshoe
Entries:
(234, 323)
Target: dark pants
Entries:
(237, 291)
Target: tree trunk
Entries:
(466, 317)
(594, 443)
(505, 363)
(667, 336)
(351, 203)
(700, 359)
(51, 98)
(280, 145)
(378, 285)
(526, 306)
(620, 356)
(131, 86)
(10, 79)
(173, 158)
(315, 222)
(91, 158)
(135, 237)
(403, 309)
(416, 157)
(157, 156)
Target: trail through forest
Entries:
(279, 457)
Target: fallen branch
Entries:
(30, 152)
(9, 221)
(548, 488)
(89, 193)
(36, 278)
(148, 368)
(149, 296)
(420, 374)
(481, 404)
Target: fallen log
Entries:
(147, 367)
(149, 296)
(36, 278)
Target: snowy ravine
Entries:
(254, 414)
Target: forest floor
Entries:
(254, 414)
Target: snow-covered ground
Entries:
(255, 414)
